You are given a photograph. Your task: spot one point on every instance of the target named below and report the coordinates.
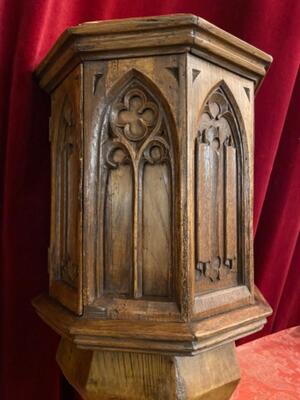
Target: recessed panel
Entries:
(157, 230)
(118, 231)
(218, 202)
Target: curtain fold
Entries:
(28, 28)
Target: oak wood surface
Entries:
(223, 210)
(151, 248)
(149, 261)
(65, 251)
(171, 34)
(153, 336)
(211, 375)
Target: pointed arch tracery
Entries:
(220, 164)
(137, 149)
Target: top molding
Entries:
(168, 34)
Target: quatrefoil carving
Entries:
(135, 117)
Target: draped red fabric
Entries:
(28, 29)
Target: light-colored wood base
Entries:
(113, 375)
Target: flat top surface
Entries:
(141, 23)
(270, 367)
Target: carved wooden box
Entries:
(151, 134)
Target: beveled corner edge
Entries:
(143, 36)
(178, 338)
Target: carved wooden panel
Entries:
(68, 175)
(218, 195)
(137, 193)
(65, 249)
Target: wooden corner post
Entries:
(151, 252)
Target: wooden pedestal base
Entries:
(113, 375)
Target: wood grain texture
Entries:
(118, 231)
(219, 157)
(65, 252)
(151, 249)
(223, 161)
(139, 163)
(167, 195)
(133, 241)
(157, 231)
(152, 336)
(133, 37)
(203, 200)
(231, 205)
(213, 374)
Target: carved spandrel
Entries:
(138, 152)
(216, 193)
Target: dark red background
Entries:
(28, 29)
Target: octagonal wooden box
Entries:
(151, 253)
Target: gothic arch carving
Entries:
(221, 191)
(137, 153)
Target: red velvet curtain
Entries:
(28, 29)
